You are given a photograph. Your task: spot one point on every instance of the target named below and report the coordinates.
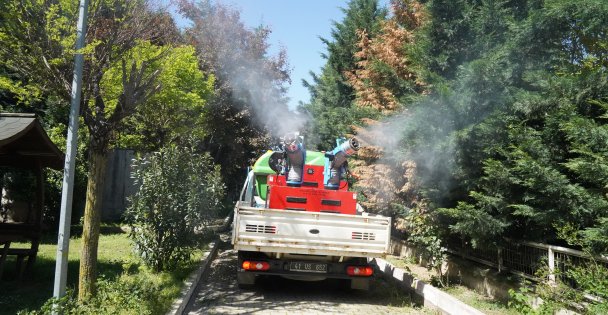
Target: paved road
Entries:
(219, 294)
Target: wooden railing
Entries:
(526, 259)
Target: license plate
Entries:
(308, 267)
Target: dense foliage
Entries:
(176, 113)
(504, 129)
(485, 120)
(331, 95)
(146, 85)
(249, 104)
(482, 120)
(179, 194)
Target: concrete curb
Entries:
(433, 297)
(225, 226)
(179, 305)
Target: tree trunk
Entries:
(90, 229)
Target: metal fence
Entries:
(529, 259)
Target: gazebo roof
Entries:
(24, 143)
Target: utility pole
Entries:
(63, 242)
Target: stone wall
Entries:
(483, 279)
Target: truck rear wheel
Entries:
(245, 280)
(360, 284)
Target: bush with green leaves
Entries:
(585, 291)
(180, 193)
(423, 233)
(581, 286)
(127, 294)
(120, 296)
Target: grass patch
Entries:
(466, 295)
(390, 296)
(479, 301)
(419, 272)
(122, 278)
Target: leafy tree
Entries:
(179, 194)
(506, 137)
(38, 45)
(533, 99)
(450, 36)
(250, 103)
(386, 80)
(384, 72)
(503, 140)
(177, 112)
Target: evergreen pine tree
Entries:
(332, 97)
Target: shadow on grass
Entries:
(31, 292)
(36, 287)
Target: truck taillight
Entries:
(256, 265)
(360, 271)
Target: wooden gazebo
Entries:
(25, 145)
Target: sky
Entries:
(295, 25)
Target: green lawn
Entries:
(116, 265)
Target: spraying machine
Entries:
(296, 218)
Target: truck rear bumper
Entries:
(301, 270)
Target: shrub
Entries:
(424, 234)
(179, 194)
(128, 294)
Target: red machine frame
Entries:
(311, 195)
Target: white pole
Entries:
(551, 257)
(63, 242)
